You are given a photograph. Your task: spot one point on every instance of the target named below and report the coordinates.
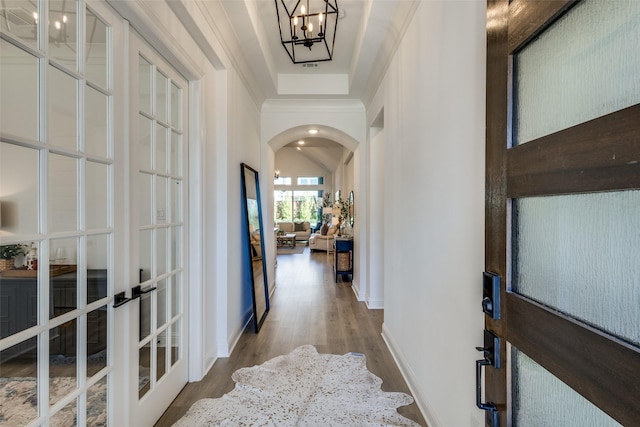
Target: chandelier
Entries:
(308, 29)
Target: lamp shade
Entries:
(327, 210)
(335, 221)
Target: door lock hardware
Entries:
(491, 353)
(491, 294)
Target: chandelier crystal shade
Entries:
(308, 29)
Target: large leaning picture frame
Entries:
(255, 244)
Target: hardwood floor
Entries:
(307, 307)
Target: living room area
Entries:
(311, 175)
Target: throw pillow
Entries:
(299, 226)
(332, 230)
(324, 229)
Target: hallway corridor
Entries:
(307, 307)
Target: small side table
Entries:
(287, 239)
(342, 256)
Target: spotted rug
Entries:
(303, 388)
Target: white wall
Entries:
(434, 103)
(243, 145)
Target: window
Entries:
(282, 180)
(310, 180)
(297, 206)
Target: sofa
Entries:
(302, 230)
(323, 242)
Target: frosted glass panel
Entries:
(579, 254)
(584, 66)
(541, 400)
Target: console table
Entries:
(342, 256)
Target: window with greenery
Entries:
(311, 180)
(297, 206)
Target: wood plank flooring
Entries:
(307, 307)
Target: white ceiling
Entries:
(367, 35)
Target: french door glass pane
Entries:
(144, 85)
(97, 267)
(18, 371)
(145, 253)
(62, 360)
(66, 417)
(161, 299)
(97, 180)
(176, 154)
(161, 97)
(96, 122)
(96, 54)
(176, 200)
(160, 249)
(144, 142)
(145, 190)
(175, 105)
(97, 402)
(161, 354)
(579, 254)
(175, 339)
(161, 200)
(584, 66)
(63, 276)
(175, 295)
(97, 324)
(19, 171)
(144, 360)
(63, 193)
(63, 33)
(63, 109)
(540, 399)
(161, 149)
(19, 100)
(175, 248)
(20, 18)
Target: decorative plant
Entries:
(12, 251)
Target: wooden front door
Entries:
(563, 211)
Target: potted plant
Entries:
(8, 254)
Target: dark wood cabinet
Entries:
(343, 257)
(19, 309)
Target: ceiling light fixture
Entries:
(297, 23)
(312, 131)
(301, 142)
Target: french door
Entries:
(158, 244)
(57, 202)
(563, 211)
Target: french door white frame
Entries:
(163, 390)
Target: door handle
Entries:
(137, 291)
(120, 299)
(491, 353)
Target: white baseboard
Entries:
(355, 287)
(407, 373)
(375, 304)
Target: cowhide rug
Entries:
(303, 388)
